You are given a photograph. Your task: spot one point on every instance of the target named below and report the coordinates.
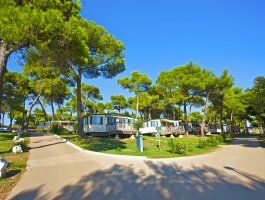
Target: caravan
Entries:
(109, 124)
(163, 126)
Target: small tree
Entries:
(138, 124)
(137, 84)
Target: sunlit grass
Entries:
(127, 146)
(17, 163)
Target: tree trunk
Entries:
(52, 106)
(23, 115)
(43, 110)
(137, 105)
(174, 113)
(149, 114)
(246, 127)
(30, 109)
(11, 118)
(60, 110)
(4, 54)
(185, 116)
(79, 103)
(232, 122)
(221, 120)
(205, 114)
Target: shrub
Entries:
(41, 129)
(172, 145)
(118, 149)
(202, 143)
(56, 128)
(182, 148)
(212, 142)
(75, 128)
(227, 136)
(219, 138)
(179, 148)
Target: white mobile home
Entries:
(217, 128)
(165, 126)
(108, 124)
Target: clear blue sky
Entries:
(163, 34)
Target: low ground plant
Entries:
(57, 129)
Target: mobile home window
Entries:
(122, 120)
(154, 124)
(111, 120)
(97, 120)
(130, 121)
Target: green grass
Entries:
(127, 146)
(17, 162)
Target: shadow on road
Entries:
(166, 181)
(252, 141)
(47, 145)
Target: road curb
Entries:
(99, 153)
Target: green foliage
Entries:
(212, 141)
(178, 147)
(202, 144)
(75, 128)
(57, 129)
(195, 117)
(137, 84)
(41, 129)
(118, 102)
(256, 99)
(138, 124)
(172, 145)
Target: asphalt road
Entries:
(56, 170)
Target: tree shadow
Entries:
(165, 182)
(102, 144)
(12, 173)
(251, 141)
(159, 181)
(47, 145)
(31, 194)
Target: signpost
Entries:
(158, 137)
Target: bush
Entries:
(212, 142)
(41, 129)
(227, 136)
(182, 148)
(172, 145)
(179, 148)
(57, 129)
(75, 128)
(219, 138)
(202, 143)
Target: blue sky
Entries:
(163, 34)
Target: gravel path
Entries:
(56, 170)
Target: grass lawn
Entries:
(127, 146)
(17, 163)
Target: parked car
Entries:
(3, 129)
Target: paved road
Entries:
(58, 171)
